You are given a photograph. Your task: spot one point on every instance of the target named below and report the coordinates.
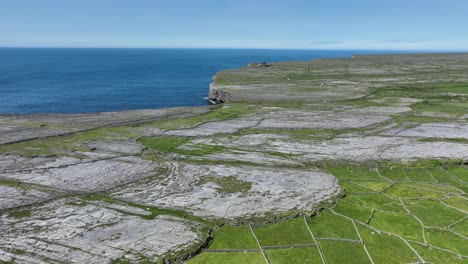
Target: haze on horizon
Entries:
(296, 24)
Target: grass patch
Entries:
(443, 176)
(447, 240)
(461, 227)
(429, 186)
(343, 252)
(419, 175)
(20, 214)
(412, 191)
(433, 255)
(385, 248)
(330, 225)
(453, 107)
(226, 184)
(163, 143)
(375, 185)
(227, 258)
(355, 212)
(352, 172)
(376, 201)
(400, 224)
(459, 171)
(289, 232)
(233, 237)
(457, 202)
(396, 174)
(308, 255)
(353, 187)
(433, 213)
(199, 150)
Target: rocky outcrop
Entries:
(218, 96)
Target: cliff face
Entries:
(218, 96)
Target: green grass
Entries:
(444, 177)
(376, 201)
(447, 240)
(418, 175)
(429, 187)
(459, 171)
(386, 248)
(307, 255)
(228, 258)
(20, 214)
(375, 185)
(330, 225)
(226, 184)
(233, 237)
(453, 107)
(461, 227)
(458, 202)
(352, 172)
(433, 213)
(436, 256)
(354, 187)
(396, 174)
(355, 212)
(163, 143)
(401, 224)
(343, 252)
(293, 231)
(412, 191)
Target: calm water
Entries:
(96, 80)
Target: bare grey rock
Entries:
(88, 176)
(12, 197)
(270, 192)
(64, 231)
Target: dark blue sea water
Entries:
(97, 80)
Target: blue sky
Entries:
(295, 24)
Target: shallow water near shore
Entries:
(99, 80)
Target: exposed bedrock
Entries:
(235, 194)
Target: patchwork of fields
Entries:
(393, 215)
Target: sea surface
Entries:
(42, 80)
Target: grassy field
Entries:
(404, 216)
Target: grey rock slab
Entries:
(11, 197)
(273, 191)
(436, 130)
(92, 176)
(61, 231)
(213, 128)
(369, 148)
(18, 163)
(125, 147)
(319, 120)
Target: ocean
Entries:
(62, 80)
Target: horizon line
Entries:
(236, 48)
